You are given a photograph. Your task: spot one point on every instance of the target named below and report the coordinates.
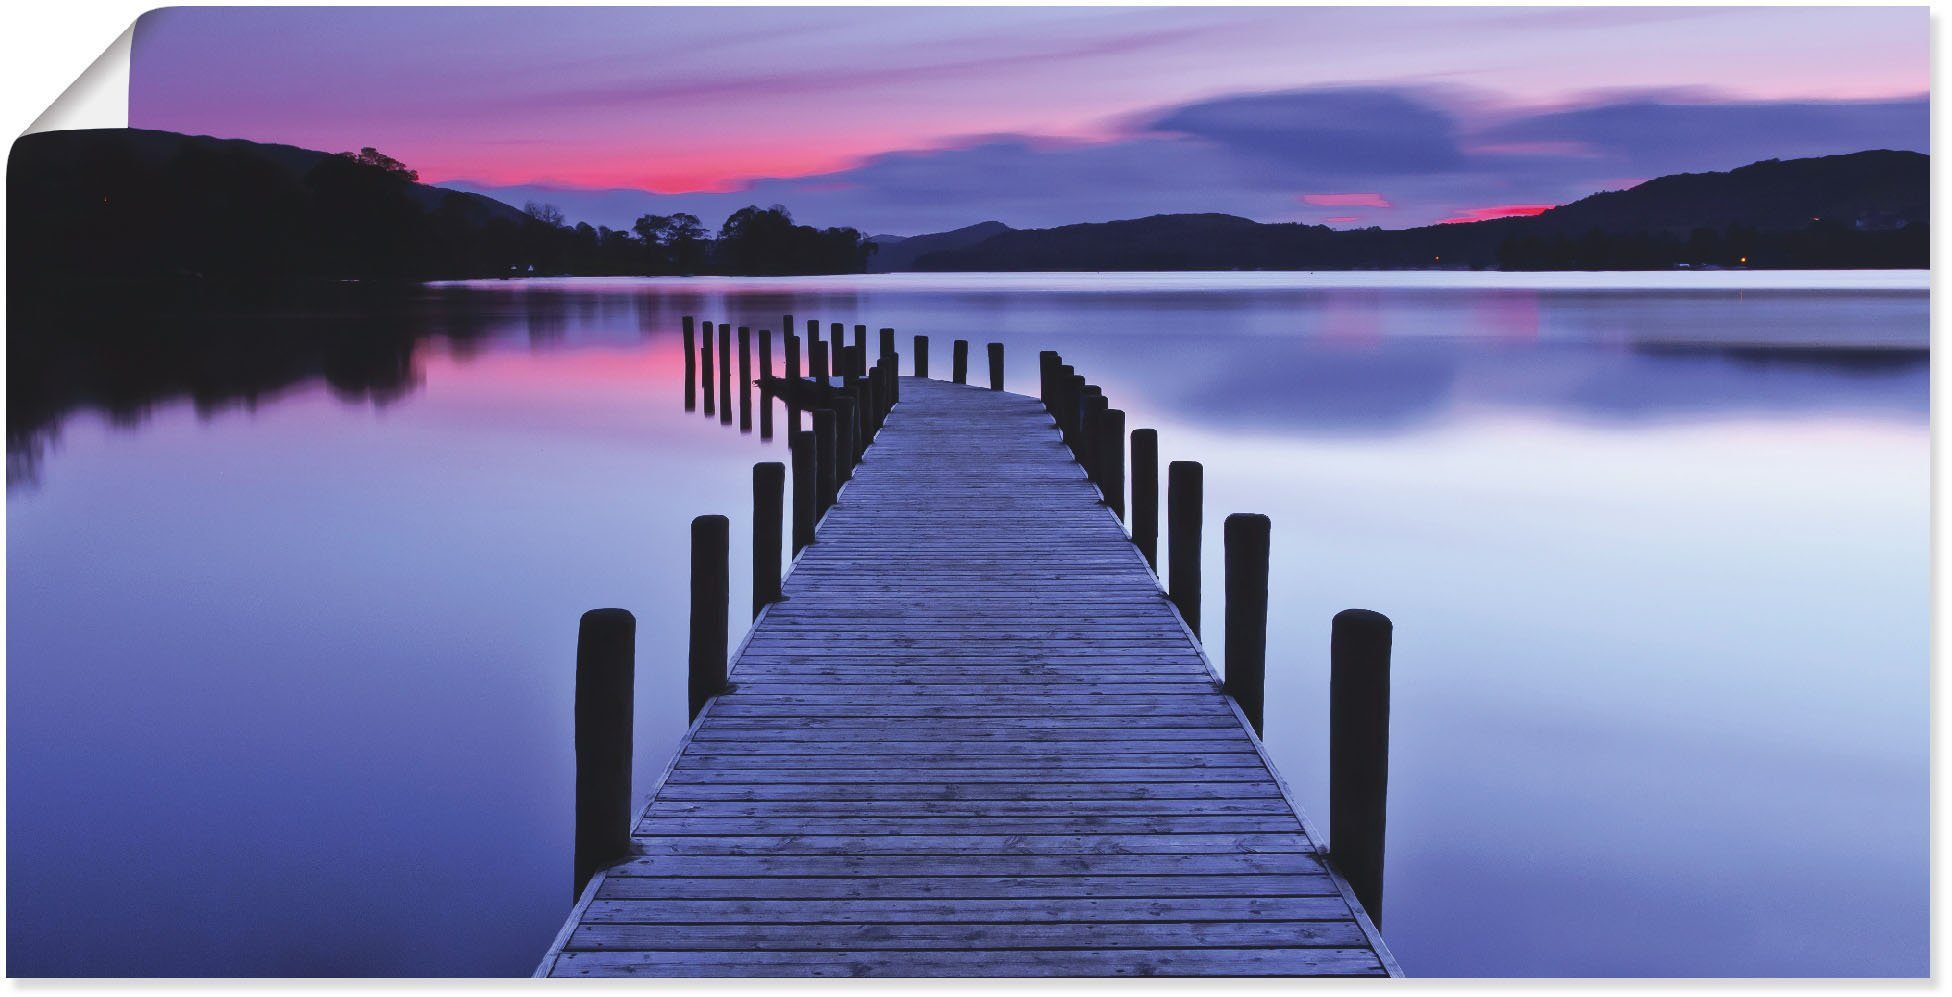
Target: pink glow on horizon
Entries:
(1498, 211)
(1354, 200)
(1342, 219)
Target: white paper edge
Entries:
(98, 98)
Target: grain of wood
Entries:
(973, 739)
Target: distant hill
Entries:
(900, 253)
(1866, 209)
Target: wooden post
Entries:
(1086, 448)
(837, 349)
(1358, 751)
(921, 356)
(786, 326)
(887, 344)
(1145, 494)
(705, 368)
(765, 370)
(817, 360)
(793, 373)
(745, 378)
(996, 366)
(857, 394)
(1246, 540)
(606, 652)
(1063, 399)
(826, 463)
(1185, 483)
(806, 488)
(959, 361)
(1111, 459)
(846, 424)
(861, 350)
(894, 380)
(1047, 361)
(768, 509)
(691, 365)
(724, 373)
(711, 600)
(870, 410)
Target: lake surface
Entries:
(290, 681)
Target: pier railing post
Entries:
(705, 368)
(606, 651)
(817, 360)
(860, 350)
(921, 356)
(768, 510)
(826, 449)
(1087, 447)
(837, 351)
(996, 366)
(691, 365)
(959, 362)
(711, 601)
(1246, 538)
(1111, 459)
(1358, 751)
(806, 489)
(1046, 362)
(724, 373)
(1185, 485)
(846, 424)
(887, 344)
(745, 377)
(1145, 494)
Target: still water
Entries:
(289, 684)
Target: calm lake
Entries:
(289, 682)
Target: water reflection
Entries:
(1656, 555)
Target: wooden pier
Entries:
(975, 738)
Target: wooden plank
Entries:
(973, 739)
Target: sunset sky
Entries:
(910, 120)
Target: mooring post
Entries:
(861, 348)
(826, 463)
(1358, 751)
(893, 374)
(691, 365)
(606, 652)
(870, 409)
(1145, 494)
(996, 366)
(724, 372)
(705, 368)
(1185, 483)
(921, 356)
(837, 350)
(1086, 448)
(768, 510)
(817, 360)
(745, 377)
(1246, 538)
(792, 373)
(887, 343)
(1111, 459)
(846, 425)
(711, 601)
(959, 361)
(857, 393)
(1063, 404)
(806, 488)
(765, 370)
(1047, 361)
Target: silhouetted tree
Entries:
(378, 160)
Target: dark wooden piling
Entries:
(1111, 459)
(1093, 406)
(1145, 494)
(711, 601)
(887, 344)
(826, 448)
(724, 373)
(691, 365)
(606, 665)
(846, 424)
(837, 349)
(1245, 536)
(745, 378)
(959, 361)
(921, 356)
(817, 359)
(996, 366)
(1185, 483)
(869, 388)
(1047, 361)
(768, 511)
(1358, 751)
(806, 488)
(861, 350)
(1064, 400)
(705, 368)
(765, 370)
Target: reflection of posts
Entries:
(1358, 751)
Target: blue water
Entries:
(289, 683)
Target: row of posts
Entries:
(1359, 639)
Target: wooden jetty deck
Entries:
(975, 739)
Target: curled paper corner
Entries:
(98, 98)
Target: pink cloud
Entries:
(1498, 211)
(1357, 200)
